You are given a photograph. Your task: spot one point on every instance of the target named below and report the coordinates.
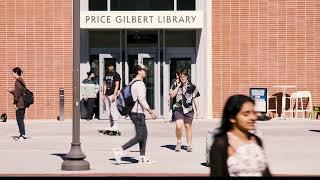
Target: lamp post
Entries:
(74, 160)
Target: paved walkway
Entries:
(292, 147)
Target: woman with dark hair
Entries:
(235, 150)
(17, 92)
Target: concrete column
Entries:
(201, 59)
(84, 45)
(84, 5)
(166, 81)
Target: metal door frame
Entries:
(176, 53)
(148, 53)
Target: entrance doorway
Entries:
(148, 60)
(162, 51)
(104, 60)
(177, 60)
(180, 64)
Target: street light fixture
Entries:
(74, 160)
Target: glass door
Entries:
(104, 60)
(178, 63)
(148, 60)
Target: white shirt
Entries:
(139, 92)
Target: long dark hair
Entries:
(89, 73)
(17, 70)
(230, 110)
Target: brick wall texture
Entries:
(263, 43)
(256, 43)
(36, 35)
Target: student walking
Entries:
(110, 89)
(235, 150)
(17, 93)
(138, 90)
(186, 94)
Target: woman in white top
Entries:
(236, 151)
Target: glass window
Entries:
(98, 5)
(142, 37)
(186, 5)
(142, 5)
(177, 38)
(104, 39)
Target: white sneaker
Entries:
(145, 160)
(118, 153)
(21, 137)
(108, 128)
(114, 128)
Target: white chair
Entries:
(272, 104)
(304, 103)
(293, 104)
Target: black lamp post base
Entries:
(75, 165)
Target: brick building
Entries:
(228, 47)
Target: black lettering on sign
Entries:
(193, 18)
(118, 19)
(175, 19)
(87, 19)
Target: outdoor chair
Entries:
(272, 105)
(304, 103)
(292, 105)
(315, 112)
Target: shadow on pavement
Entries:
(135, 151)
(315, 130)
(205, 164)
(62, 156)
(129, 160)
(173, 147)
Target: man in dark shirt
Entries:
(110, 89)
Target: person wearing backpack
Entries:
(17, 93)
(138, 90)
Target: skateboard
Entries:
(16, 138)
(109, 132)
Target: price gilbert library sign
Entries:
(141, 20)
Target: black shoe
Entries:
(22, 137)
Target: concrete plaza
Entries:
(292, 147)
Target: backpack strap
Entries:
(24, 87)
(21, 83)
(134, 81)
(131, 85)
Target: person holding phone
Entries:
(186, 95)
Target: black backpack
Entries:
(3, 117)
(27, 96)
(124, 100)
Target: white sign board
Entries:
(259, 95)
(141, 19)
